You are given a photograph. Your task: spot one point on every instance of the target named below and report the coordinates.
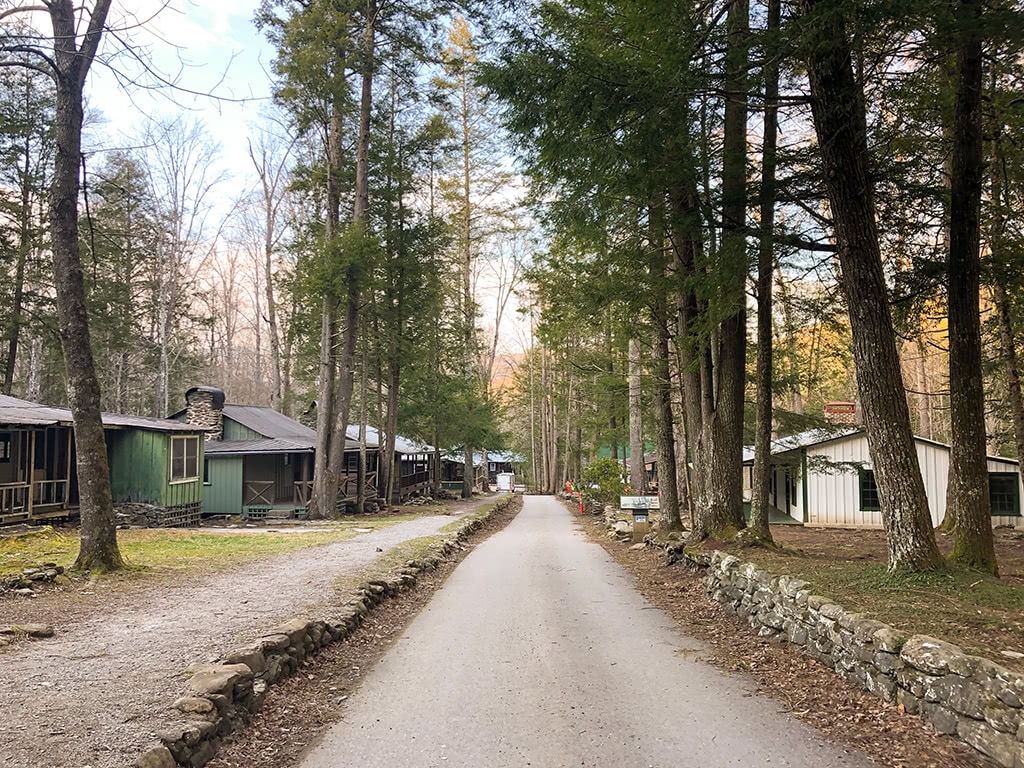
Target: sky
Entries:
(220, 66)
(204, 47)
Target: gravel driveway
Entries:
(93, 695)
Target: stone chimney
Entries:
(841, 413)
(205, 408)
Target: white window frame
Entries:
(183, 441)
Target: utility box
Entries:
(506, 482)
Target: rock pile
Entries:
(223, 695)
(47, 573)
(968, 697)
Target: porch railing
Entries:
(347, 489)
(49, 492)
(259, 492)
(13, 498)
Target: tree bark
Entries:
(322, 503)
(637, 470)
(98, 547)
(360, 222)
(667, 482)
(759, 508)
(837, 105)
(726, 511)
(968, 507)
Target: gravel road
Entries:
(92, 696)
(538, 652)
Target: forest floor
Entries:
(804, 688)
(95, 693)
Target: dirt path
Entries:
(93, 696)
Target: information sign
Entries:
(639, 502)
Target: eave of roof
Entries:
(16, 412)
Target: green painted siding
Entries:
(223, 491)
(235, 431)
(140, 469)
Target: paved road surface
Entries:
(538, 652)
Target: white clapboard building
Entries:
(825, 477)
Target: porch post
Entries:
(30, 470)
(67, 474)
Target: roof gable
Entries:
(267, 422)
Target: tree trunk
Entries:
(360, 221)
(98, 548)
(637, 470)
(968, 508)
(759, 507)
(392, 427)
(323, 502)
(722, 362)
(363, 401)
(24, 246)
(840, 124)
(667, 482)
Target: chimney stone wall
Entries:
(205, 408)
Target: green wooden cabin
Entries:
(259, 462)
(155, 462)
(152, 464)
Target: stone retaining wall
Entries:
(223, 695)
(140, 515)
(968, 697)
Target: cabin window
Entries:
(206, 471)
(869, 501)
(1004, 493)
(5, 448)
(184, 459)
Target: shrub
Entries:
(602, 481)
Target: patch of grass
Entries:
(392, 560)
(169, 549)
(980, 613)
(500, 503)
(413, 549)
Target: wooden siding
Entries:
(140, 469)
(834, 499)
(235, 431)
(272, 467)
(222, 495)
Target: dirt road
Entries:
(539, 652)
(92, 696)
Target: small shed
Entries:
(825, 477)
(500, 462)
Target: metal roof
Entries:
(269, 423)
(402, 444)
(822, 435)
(498, 457)
(266, 445)
(16, 412)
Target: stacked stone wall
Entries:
(968, 697)
(222, 696)
(134, 514)
(201, 412)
